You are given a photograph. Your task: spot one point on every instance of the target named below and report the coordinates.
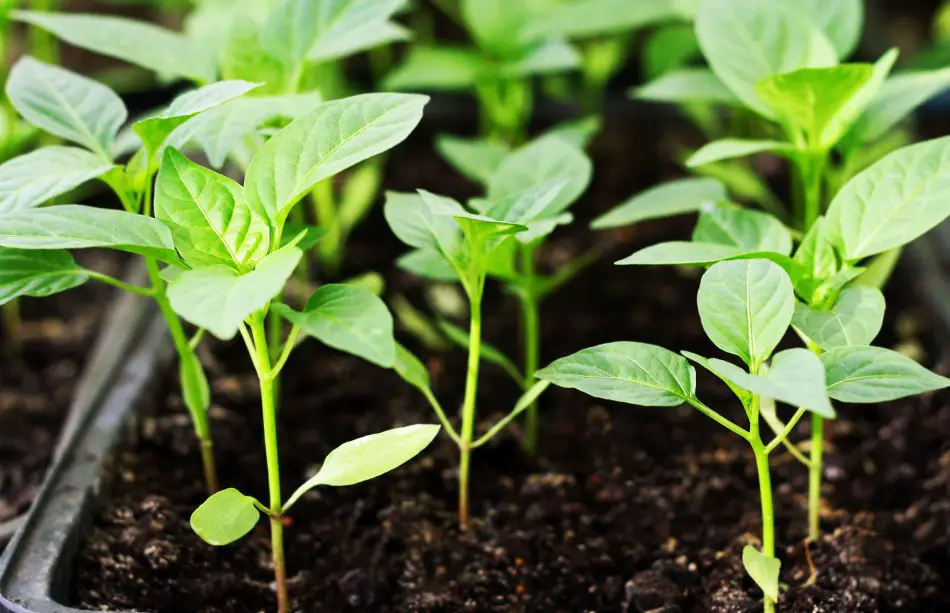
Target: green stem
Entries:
(812, 173)
(330, 246)
(765, 493)
(530, 329)
(128, 287)
(815, 470)
(468, 405)
(199, 414)
(269, 416)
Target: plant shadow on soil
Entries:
(626, 508)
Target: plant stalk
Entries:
(765, 495)
(269, 417)
(815, 472)
(468, 406)
(530, 329)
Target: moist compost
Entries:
(626, 509)
(37, 383)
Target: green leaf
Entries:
(363, 38)
(537, 201)
(154, 130)
(687, 253)
(824, 102)
(74, 226)
(208, 216)
(898, 97)
(731, 148)
(746, 307)
(795, 376)
(66, 104)
(219, 299)
(548, 57)
(137, 42)
(817, 259)
(37, 273)
(745, 41)
(243, 57)
(595, 18)
(219, 131)
(429, 264)
(413, 222)
(347, 26)
(195, 391)
(411, 369)
(751, 231)
(350, 319)
(498, 26)
(577, 132)
(487, 352)
(874, 374)
(666, 200)
(225, 517)
(635, 373)
(855, 319)
(744, 396)
(333, 137)
(476, 158)
(440, 68)
(29, 180)
(893, 202)
(543, 160)
(369, 457)
(763, 569)
(687, 85)
(842, 22)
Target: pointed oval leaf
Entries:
(745, 41)
(225, 517)
(893, 202)
(855, 319)
(726, 224)
(428, 264)
(595, 18)
(155, 130)
(842, 22)
(350, 319)
(731, 148)
(543, 160)
(439, 68)
(66, 104)
(665, 200)
(746, 307)
(333, 137)
(411, 369)
(219, 299)
(369, 457)
(763, 570)
(75, 226)
(37, 273)
(898, 97)
(411, 219)
(208, 215)
(37, 177)
(795, 376)
(634, 373)
(137, 42)
(698, 254)
(874, 374)
(546, 57)
(699, 85)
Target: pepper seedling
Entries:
(746, 307)
(506, 53)
(89, 114)
(236, 259)
(830, 120)
(837, 313)
(295, 48)
(557, 155)
(467, 245)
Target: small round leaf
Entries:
(225, 517)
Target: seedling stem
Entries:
(468, 404)
(532, 343)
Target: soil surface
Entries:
(625, 509)
(37, 382)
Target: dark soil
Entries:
(626, 509)
(37, 383)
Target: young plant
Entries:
(34, 241)
(830, 120)
(746, 307)
(834, 271)
(236, 257)
(452, 242)
(506, 54)
(295, 48)
(555, 156)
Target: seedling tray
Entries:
(107, 352)
(34, 567)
